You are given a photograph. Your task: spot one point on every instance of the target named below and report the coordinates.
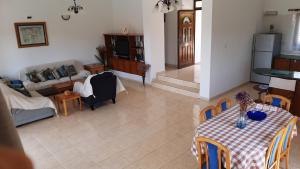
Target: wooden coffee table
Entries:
(62, 100)
(59, 88)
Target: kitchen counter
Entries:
(284, 74)
(290, 57)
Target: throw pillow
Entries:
(71, 70)
(62, 71)
(40, 75)
(32, 76)
(48, 74)
(55, 74)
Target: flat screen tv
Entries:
(122, 47)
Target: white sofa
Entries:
(81, 73)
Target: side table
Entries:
(62, 99)
(94, 68)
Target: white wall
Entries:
(281, 6)
(171, 35)
(283, 23)
(127, 13)
(198, 35)
(187, 4)
(76, 39)
(206, 49)
(153, 23)
(233, 24)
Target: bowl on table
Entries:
(257, 115)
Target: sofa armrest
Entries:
(27, 84)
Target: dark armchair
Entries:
(104, 88)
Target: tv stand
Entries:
(135, 63)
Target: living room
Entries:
(137, 126)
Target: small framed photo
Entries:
(31, 34)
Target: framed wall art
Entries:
(31, 34)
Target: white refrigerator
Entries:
(265, 48)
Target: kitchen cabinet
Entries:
(290, 64)
(281, 64)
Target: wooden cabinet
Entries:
(134, 63)
(94, 68)
(295, 65)
(291, 65)
(281, 64)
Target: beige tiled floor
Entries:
(147, 129)
(190, 74)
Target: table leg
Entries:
(65, 108)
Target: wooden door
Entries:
(186, 38)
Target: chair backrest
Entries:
(208, 113)
(278, 101)
(104, 86)
(213, 150)
(274, 150)
(288, 137)
(283, 84)
(223, 104)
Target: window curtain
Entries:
(296, 40)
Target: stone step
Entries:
(178, 81)
(175, 88)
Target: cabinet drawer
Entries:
(295, 65)
(281, 64)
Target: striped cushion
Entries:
(274, 149)
(285, 143)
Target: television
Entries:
(122, 47)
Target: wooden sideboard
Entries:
(290, 64)
(134, 63)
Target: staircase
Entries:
(178, 86)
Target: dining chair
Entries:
(207, 113)
(274, 150)
(212, 158)
(278, 101)
(223, 104)
(287, 142)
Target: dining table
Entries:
(248, 146)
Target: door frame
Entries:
(179, 66)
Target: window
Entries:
(198, 4)
(297, 33)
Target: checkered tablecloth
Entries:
(247, 146)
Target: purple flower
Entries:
(243, 98)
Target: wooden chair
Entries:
(287, 142)
(208, 113)
(223, 104)
(212, 158)
(274, 150)
(278, 101)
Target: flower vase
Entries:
(242, 122)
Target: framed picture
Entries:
(31, 34)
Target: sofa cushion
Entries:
(71, 70)
(55, 74)
(48, 74)
(40, 75)
(62, 71)
(32, 76)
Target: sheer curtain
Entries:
(296, 44)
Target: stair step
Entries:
(178, 81)
(179, 89)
